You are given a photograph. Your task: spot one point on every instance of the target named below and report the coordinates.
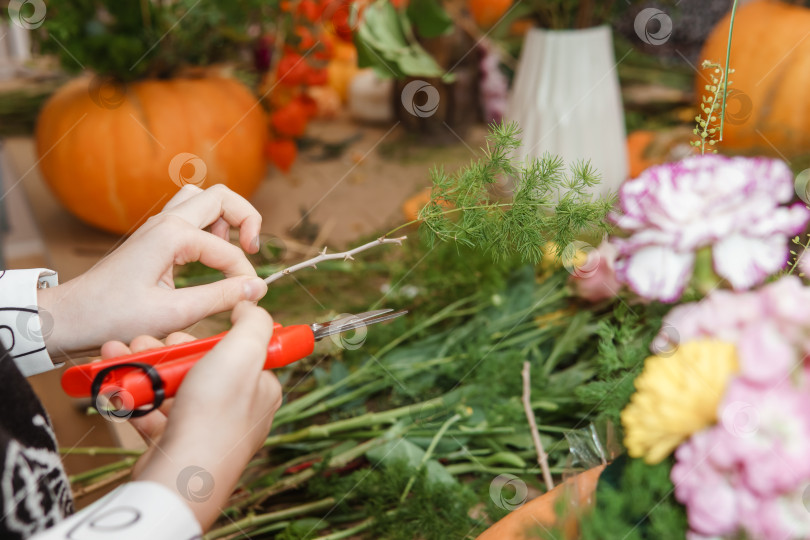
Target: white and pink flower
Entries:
(732, 205)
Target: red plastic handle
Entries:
(288, 344)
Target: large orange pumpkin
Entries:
(768, 109)
(106, 151)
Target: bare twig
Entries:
(542, 457)
(345, 255)
(320, 238)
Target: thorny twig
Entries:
(323, 256)
(542, 457)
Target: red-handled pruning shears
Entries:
(149, 377)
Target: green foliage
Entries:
(133, 39)
(635, 501)
(476, 351)
(548, 203)
(566, 14)
(386, 39)
(624, 344)
(433, 511)
(429, 18)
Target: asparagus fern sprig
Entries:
(545, 202)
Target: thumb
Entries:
(203, 300)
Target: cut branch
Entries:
(542, 457)
(323, 256)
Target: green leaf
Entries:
(404, 451)
(382, 44)
(429, 18)
(381, 22)
(418, 63)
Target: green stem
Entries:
(104, 469)
(347, 533)
(369, 388)
(728, 57)
(369, 419)
(360, 391)
(316, 396)
(425, 433)
(466, 468)
(452, 211)
(428, 453)
(99, 451)
(799, 256)
(295, 480)
(273, 527)
(443, 314)
(392, 231)
(263, 519)
(279, 469)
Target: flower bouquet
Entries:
(718, 416)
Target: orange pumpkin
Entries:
(106, 152)
(638, 144)
(541, 513)
(488, 12)
(768, 108)
(412, 205)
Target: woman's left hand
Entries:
(131, 291)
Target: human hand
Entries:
(131, 292)
(219, 418)
(151, 426)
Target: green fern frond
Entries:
(547, 202)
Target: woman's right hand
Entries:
(219, 417)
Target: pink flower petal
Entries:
(765, 356)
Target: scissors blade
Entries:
(350, 318)
(354, 322)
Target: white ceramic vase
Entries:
(566, 98)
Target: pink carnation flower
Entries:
(779, 518)
(749, 472)
(770, 326)
(729, 204)
(764, 434)
(711, 494)
(595, 280)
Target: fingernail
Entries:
(255, 289)
(254, 246)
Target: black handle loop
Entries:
(148, 370)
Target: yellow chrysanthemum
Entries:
(676, 396)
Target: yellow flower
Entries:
(676, 395)
(551, 257)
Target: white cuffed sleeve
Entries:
(134, 511)
(23, 328)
